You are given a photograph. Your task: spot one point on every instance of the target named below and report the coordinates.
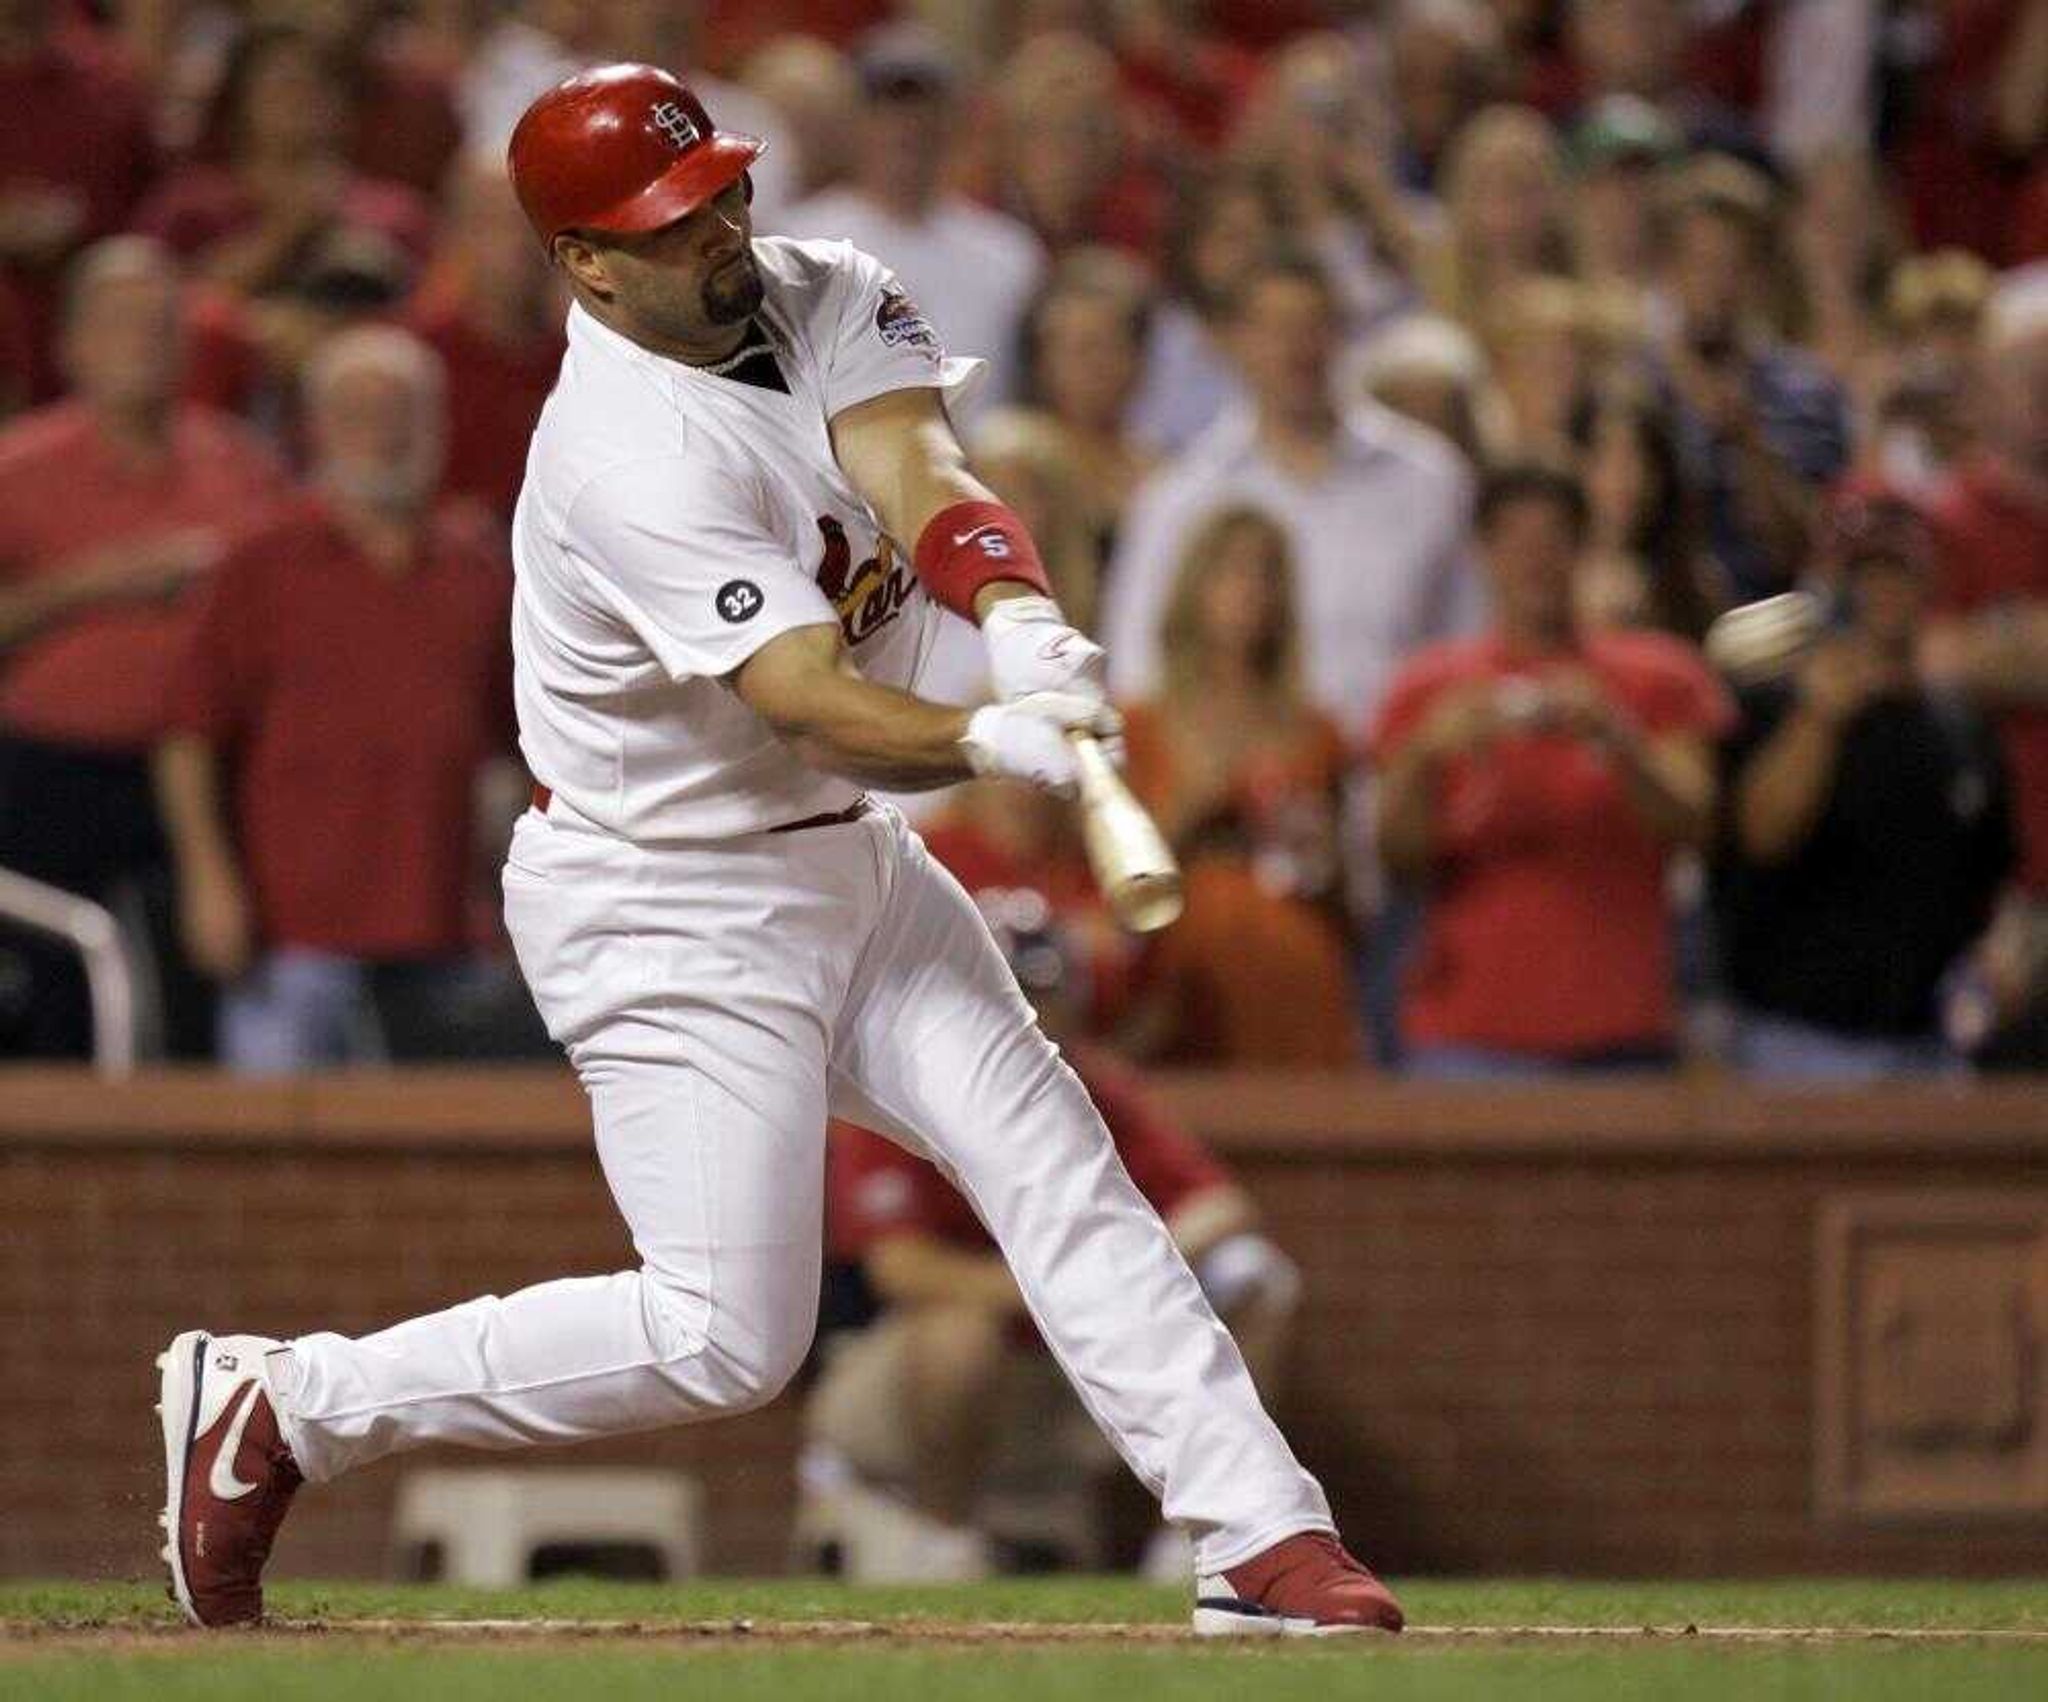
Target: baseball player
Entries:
(715, 625)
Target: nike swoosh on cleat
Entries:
(222, 1480)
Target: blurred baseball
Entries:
(1762, 640)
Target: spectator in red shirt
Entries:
(75, 155)
(1990, 636)
(1537, 782)
(491, 308)
(946, 1398)
(112, 503)
(348, 681)
(283, 207)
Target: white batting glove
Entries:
(1028, 739)
(1032, 648)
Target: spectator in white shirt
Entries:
(972, 270)
(1377, 509)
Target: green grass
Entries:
(101, 1657)
(1843, 1603)
(1381, 1673)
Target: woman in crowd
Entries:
(1645, 564)
(1540, 346)
(1243, 774)
(1084, 347)
(1505, 214)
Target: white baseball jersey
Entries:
(676, 518)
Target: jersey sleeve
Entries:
(876, 339)
(689, 558)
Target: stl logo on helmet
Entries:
(676, 124)
(866, 598)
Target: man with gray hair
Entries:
(349, 679)
(114, 503)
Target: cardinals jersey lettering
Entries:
(674, 519)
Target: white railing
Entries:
(91, 931)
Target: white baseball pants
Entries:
(718, 1002)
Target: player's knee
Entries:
(738, 1353)
(772, 1353)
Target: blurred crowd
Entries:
(1400, 388)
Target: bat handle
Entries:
(1132, 862)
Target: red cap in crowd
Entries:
(622, 148)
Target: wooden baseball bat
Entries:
(1134, 868)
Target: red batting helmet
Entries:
(621, 148)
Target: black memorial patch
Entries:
(738, 600)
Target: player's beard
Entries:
(733, 292)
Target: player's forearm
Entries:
(881, 737)
(805, 686)
(1785, 785)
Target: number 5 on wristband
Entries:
(972, 544)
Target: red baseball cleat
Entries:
(230, 1478)
(1303, 1586)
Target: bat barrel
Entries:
(1145, 903)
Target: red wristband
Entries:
(973, 544)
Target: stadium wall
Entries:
(1648, 1330)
